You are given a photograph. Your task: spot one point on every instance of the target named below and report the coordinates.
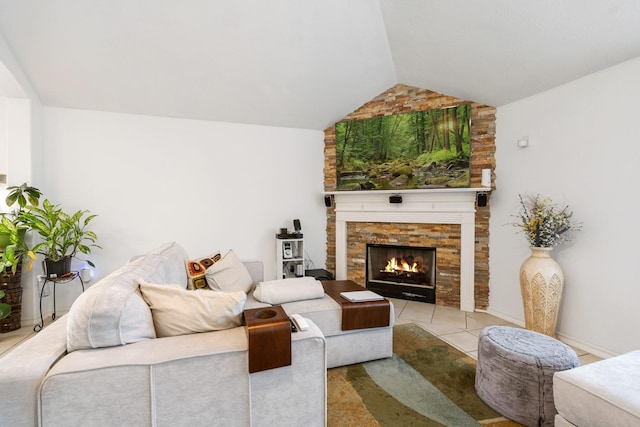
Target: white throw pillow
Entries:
(177, 311)
(112, 312)
(229, 275)
(288, 290)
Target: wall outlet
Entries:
(39, 283)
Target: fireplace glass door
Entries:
(405, 272)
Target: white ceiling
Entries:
(306, 63)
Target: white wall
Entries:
(207, 185)
(4, 149)
(21, 129)
(584, 151)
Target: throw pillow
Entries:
(197, 268)
(229, 275)
(112, 311)
(288, 290)
(177, 311)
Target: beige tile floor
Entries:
(458, 328)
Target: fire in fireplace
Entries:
(405, 272)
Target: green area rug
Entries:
(427, 382)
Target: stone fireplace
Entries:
(448, 219)
(443, 218)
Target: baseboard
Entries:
(589, 348)
(503, 317)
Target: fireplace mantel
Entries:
(436, 206)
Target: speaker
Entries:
(328, 201)
(482, 199)
(396, 198)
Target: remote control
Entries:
(300, 322)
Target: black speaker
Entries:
(328, 202)
(482, 199)
(396, 198)
(296, 225)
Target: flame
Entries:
(400, 265)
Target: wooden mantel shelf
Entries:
(407, 191)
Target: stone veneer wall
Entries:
(404, 99)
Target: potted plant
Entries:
(14, 252)
(63, 235)
(11, 277)
(24, 196)
(5, 309)
(16, 249)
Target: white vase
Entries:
(541, 282)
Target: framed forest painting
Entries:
(423, 149)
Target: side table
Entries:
(56, 280)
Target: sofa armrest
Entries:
(22, 371)
(294, 395)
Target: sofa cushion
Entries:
(178, 311)
(325, 312)
(229, 275)
(196, 270)
(112, 312)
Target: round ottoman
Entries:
(515, 373)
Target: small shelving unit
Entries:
(289, 258)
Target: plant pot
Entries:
(57, 268)
(12, 287)
(541, 282)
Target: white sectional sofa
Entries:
(101, 364)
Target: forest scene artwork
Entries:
(418, 150)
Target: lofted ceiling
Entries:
(306, 64)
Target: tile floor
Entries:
(458, 328)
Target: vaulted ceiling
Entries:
(306, 63)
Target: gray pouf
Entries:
(515, 373)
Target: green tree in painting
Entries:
(424, 149)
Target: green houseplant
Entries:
(11, 256)
(24, 196)
(14, 252)
(5, 309)
(63, 235)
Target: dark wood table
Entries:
(358, 315)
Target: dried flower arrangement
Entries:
(544, 223)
